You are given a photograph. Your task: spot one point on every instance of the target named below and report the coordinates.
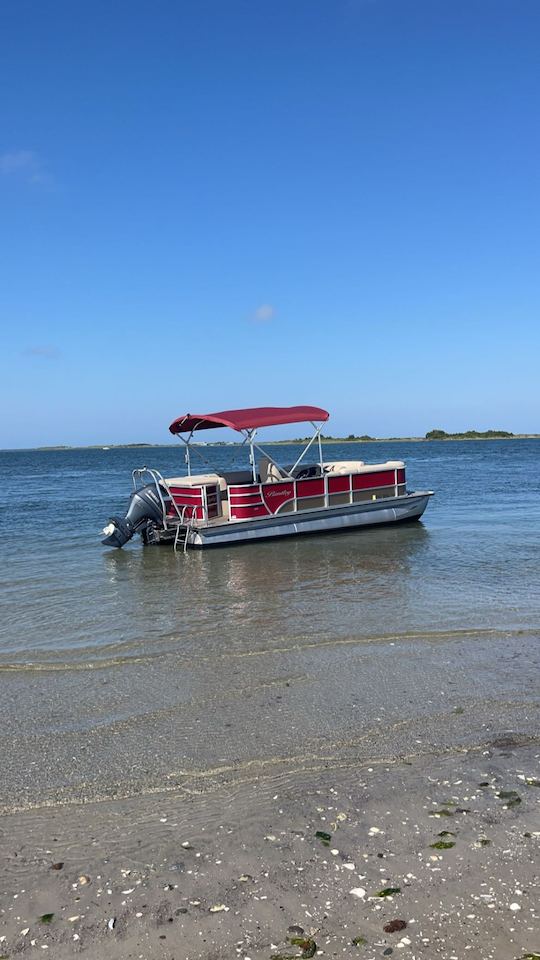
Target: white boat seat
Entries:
(196, 480)
(358, 466)
(269, 472)
(343, 466)
(388, 465)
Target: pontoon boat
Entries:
(266, 500)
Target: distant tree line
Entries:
(469, 435)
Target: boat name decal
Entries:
(288, 492)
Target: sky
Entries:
(212, 204)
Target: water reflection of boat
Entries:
(265, 500)
(359, 586)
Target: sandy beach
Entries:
(326, 858)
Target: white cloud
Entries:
(36, 350)
(24, 164)
(263, 314)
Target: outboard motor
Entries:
(144, 508)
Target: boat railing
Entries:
(186, 514)
(256, 499)
(155, 477)
(331, 489)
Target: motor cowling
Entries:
(144, 507)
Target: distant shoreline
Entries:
(515, 436)
(223, 443)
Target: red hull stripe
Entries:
(310, 488)
(243, 513)
(339, 484)
(192, 511)
(379, 478)
(245, 502)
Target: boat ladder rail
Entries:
(185, 527)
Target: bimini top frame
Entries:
(246, 422)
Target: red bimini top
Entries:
(247, 419)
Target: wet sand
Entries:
(225, 873)
(180, 797)
(193, 719)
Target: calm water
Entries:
(92, 638)
(473, 561)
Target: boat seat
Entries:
(197, 480)
(343, 466)
(388, 465)
(237, 476)
(269, 472)
(358, 466)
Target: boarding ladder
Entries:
(185, 527)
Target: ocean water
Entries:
(473, 561)
(165, 659)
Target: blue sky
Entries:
(225, 203)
